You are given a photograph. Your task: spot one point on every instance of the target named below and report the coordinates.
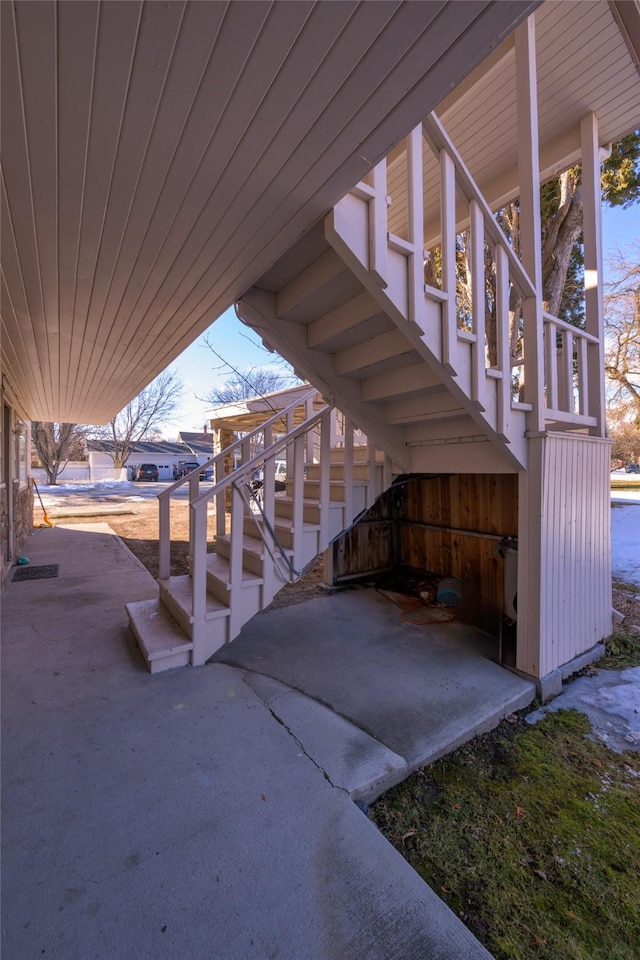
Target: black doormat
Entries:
(36, 573)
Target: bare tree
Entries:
(254, 381)
(622, 331)
(56, 444)
(142, 416)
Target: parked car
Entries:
(147, 471)
(183, 467)
(632, 468)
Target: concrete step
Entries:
(161, 640)
(175, 594)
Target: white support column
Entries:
(529, 176)
(416, 228)
(593, 273)
(530, 488)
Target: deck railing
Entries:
(478, 279)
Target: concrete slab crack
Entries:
(296, 739)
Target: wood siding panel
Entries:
(575, 589)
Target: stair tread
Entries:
(219, 567)
(180, 590)
(156, 630)
(253, 545)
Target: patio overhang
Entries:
(158, 158)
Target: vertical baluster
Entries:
(478, 349)
(268, 506)
(416, 228)
(164, 535)
(551, 365)
(567, 354)
(193, 482)
(370, 491)
(235, 561)
(378, 249)
(348, 471)
(289, 449)
(298, 500)
(310, 434)
(583, 375)
(325, 477)
(503, 342)
(198, 524)
(218, 476)
(448, 253)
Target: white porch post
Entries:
(530, 487)
(531, 254)
(593, 273)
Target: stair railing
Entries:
(198, 508)
(239, 451)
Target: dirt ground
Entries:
(137, 524)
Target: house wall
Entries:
(16, 494)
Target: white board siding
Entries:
(575, 579)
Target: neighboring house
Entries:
(312, 174)
(163, 453)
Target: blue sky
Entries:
(200, 369)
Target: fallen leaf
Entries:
(409, 833)
(541, 874)
(520, 813)
(571, 915)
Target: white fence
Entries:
(80, 471)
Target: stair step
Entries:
(219, 578)
(337, 493)
(176, 595)
(311, 509)
(254, 551)
(283, 527)
(162, 642)
(336, 471)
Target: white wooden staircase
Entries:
(263, 538)
(354, 309)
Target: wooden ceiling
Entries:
(158, 157)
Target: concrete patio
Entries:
(208, 813)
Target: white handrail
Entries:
(164, 494)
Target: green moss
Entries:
(622, 651)
(532, 836)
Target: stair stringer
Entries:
(393, 300)
(257, 309)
